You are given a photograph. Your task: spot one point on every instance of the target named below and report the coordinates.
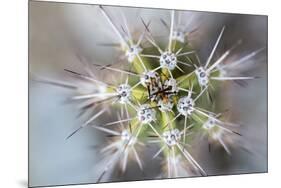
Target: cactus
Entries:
(166, 96)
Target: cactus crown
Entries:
(166, 96)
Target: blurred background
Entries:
(58, 32)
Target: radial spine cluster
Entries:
(165, 96)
